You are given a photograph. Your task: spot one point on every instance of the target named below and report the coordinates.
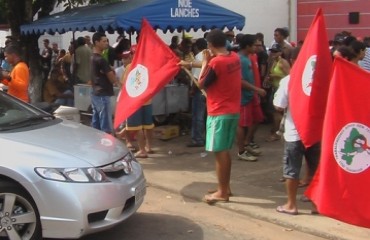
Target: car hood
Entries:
(71, 140)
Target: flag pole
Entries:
(194, 80)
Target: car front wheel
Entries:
(19, 218)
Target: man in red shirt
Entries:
(221, 77)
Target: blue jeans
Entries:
(65, 101)
(102, 113)
(198, 115)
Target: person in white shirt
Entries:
(294, 151)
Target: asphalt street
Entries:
(170, 216)
(257, 191)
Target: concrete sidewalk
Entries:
(257, 191)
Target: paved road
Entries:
(169, 216)
(185, 174)
(190, 172)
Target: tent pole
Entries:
(74, 58)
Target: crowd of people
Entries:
(62, 69)
(238, 83)
(262, 81)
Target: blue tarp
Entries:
(127, 15)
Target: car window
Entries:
(15, 113)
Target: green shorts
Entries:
(221, 131)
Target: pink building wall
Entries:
(336, 14)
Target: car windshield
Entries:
(15, 113)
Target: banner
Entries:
(153, 66)
(340, 187)
(309, 83)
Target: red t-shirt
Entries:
(256, 72)
(222, 82)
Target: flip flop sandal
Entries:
(215, 190)
(272, 138)
(280, 209)
(209, 199)
(141, 156)
(302, 185)
(150, 151)
(282, 179)
(132, 149)
(303, 198)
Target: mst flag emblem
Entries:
(350, 148)
(137, 81)
(308, 75)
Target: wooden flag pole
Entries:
(195, 81)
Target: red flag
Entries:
(340, 186)
(309, 83)
(153, 66)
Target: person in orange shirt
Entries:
(18, 79)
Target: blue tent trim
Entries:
(95, 17)
(167, 15)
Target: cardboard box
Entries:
(166, 132)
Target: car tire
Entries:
(17, 205)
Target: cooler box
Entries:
(82, 97)
(68, 113)
(171, 99)
(166, 132)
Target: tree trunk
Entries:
(20, 12)
(33, 59)
(30, 43)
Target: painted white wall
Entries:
(260, 16)
(3, 35)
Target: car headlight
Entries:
(124, 164)
(79, 175)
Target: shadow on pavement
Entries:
(152, 226)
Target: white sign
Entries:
(184, 9)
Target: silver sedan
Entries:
(61, 179)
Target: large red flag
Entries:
(153, 66)
(340, 187)
(309, 83)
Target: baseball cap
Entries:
(126, 54)
(275, 48)
(133, 49)
(187, 35)
(339, 38)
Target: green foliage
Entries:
(2, 12)
(18, 12)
